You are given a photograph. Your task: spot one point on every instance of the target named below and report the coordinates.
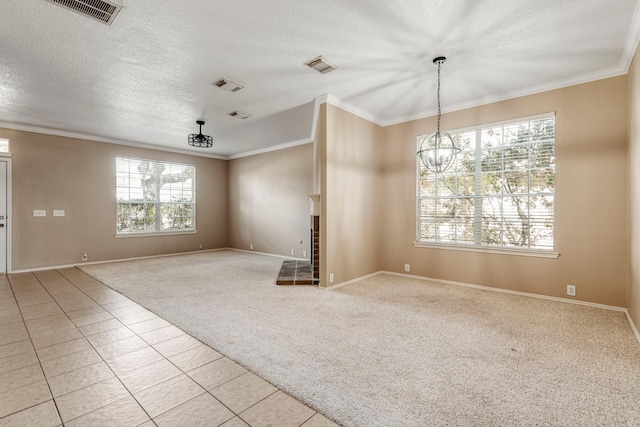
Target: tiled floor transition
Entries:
(74, 352)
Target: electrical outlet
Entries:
(58, 212)
(85, 257)
(571, 290)
(407, 267)
(293, 252)
(39, 212)
(331, 278)
(200, 245)
(304, 254)
(251, 246)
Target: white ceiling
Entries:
(148, 77)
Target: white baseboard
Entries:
(633, 326)
(506, 291)
(268, 254)
(80, 264)
(357, 279)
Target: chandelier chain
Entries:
(439, 111)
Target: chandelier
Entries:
(200, 140)
(438, 151)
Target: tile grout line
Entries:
(92, 346)
(103, 359)
(152, 346)
(55, 404)
(182, 371)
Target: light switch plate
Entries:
(39, 212)
(58, 212)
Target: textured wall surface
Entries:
(51, 172)
(591, 198)
(633, 288)
(351, 204)
(267, 201)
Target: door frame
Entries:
(6, 157)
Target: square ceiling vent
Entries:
(322, 65)
(104, 11)
(229, 85)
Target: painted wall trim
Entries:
(9, 220)
(337, 102)
(531, 90)
(488, 249)
(633, 326)
(78, 135)
(357, 279)
(621, 69)
(272, 148)
(504, 291)
(508, 291)
(633, 38)
(80, 264)
(268, 254)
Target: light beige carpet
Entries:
(394, 351)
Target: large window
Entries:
(498, 193)
(154, 197)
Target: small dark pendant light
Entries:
(200, 140)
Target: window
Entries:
(498, 193)
(154, 197)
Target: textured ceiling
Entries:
(147, 78)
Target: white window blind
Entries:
(154, 196)
(499, 192)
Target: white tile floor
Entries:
(75, 352)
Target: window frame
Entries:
(485, 248)
(158, 203)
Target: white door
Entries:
(3, 217)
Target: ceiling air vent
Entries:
(104, 11)
(227, 84)
(321, 64)
(239, 115)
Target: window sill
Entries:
(154, 234)
(490, 250)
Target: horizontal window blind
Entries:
(499, 191)
(154, 196)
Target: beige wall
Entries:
(367, 177)
(267, 201)
(51, 172)
(633, 289)
(350, 197)
(591, 163)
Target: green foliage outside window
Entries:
(154, 196)
(500, 191)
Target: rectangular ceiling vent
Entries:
(239, 115)
(321, 64)
(229, 85)
(104, 11)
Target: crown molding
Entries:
(531, 90)
(271, 148)
(88, 137)
(629, 50)
(633, 38)
(337, 102)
